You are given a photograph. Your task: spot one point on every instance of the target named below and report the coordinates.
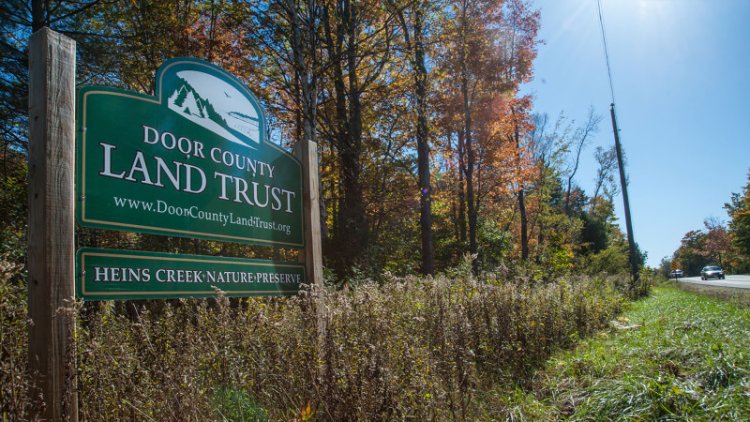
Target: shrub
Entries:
(406, 348)
(14, 389)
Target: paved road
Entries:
(736, 281)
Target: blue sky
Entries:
(680, 71)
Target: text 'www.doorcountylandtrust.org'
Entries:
(163, 207)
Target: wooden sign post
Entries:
(51, 255)
(307, 152)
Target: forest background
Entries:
(427, 149)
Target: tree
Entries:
(287, 34)
(517, 135)
(487, 52)
(739, 225)
(357, 41)
(19, 19)
(466, 11)
(412, 20)
(690, 253)
(717, 241)
(547, 154)
(416, 108)
(605, 183)
(522, 25)
(580, 139)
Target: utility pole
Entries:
(635, 274)
(626, 202)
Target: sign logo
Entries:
(193, 160)
(217, 106)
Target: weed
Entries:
(435, 348)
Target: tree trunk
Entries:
(521, 200)
(351, 229)
(38, 12)
(298, 63)
(423, 146)
(469, 168)
(524, 226)
(461, 189)
(351, 155)
(340, 134)
(306, 81)
(540, 236)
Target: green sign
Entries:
(103, 274)
(192, 161)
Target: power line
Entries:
(632, 252)
(606, 51)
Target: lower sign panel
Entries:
(104, 274)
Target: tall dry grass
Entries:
(440, 349)
(14, 388)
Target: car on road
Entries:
(676, 274)
(712, 271)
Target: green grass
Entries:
(682, 357)
(728, 294)
(233, 404)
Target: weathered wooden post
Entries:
(51, 225)
(307, 152)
